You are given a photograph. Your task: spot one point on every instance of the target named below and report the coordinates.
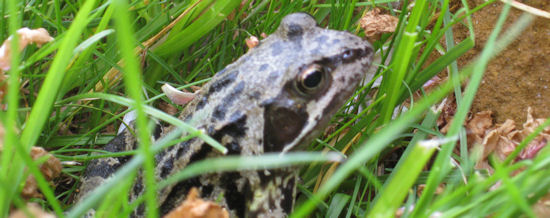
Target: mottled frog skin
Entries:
(279, 95)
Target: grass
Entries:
(71, 95)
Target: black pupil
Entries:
(348, 54)
(313, 79)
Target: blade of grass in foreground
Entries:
(133, 83)
(396, 189)
(10, 138)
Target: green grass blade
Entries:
(395, 191)
(10, 120)
(265, 161)
(337, 204)
(132, 79)
(202, 25)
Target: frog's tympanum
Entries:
(279, 95)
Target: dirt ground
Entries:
(520, 76)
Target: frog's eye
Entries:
(348, 54)
(311, 79)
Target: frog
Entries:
(276, 98)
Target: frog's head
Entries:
(321, 70)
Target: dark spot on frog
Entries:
(276, 49)
(219, 113)
(322, 39)
(334, 41)
(288, 193)
(158, 131)
(347, 56)
(202, 102)
(233, 147)
(263, 67)
(167, 167)
(118, 143)
(222, 82)
(273, 75)
(266, 178)
(294, 32)
(103, 167)
(227, 102)
(217, 86)
(141, 209)
(134, 145)
(100, 168)
(282, 125)
(234, 129)
(183, 147)
(211, 130)
(235, 198)
(255, 95)
(201, 153)
(138, 186)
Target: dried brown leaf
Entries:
(27, 36)
(168, 108)
(503, 139)
(195, 207)
(534, 147)
(34, 210)
(51, 169)
(374, 23)
(480, 123)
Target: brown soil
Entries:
(520, 76)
